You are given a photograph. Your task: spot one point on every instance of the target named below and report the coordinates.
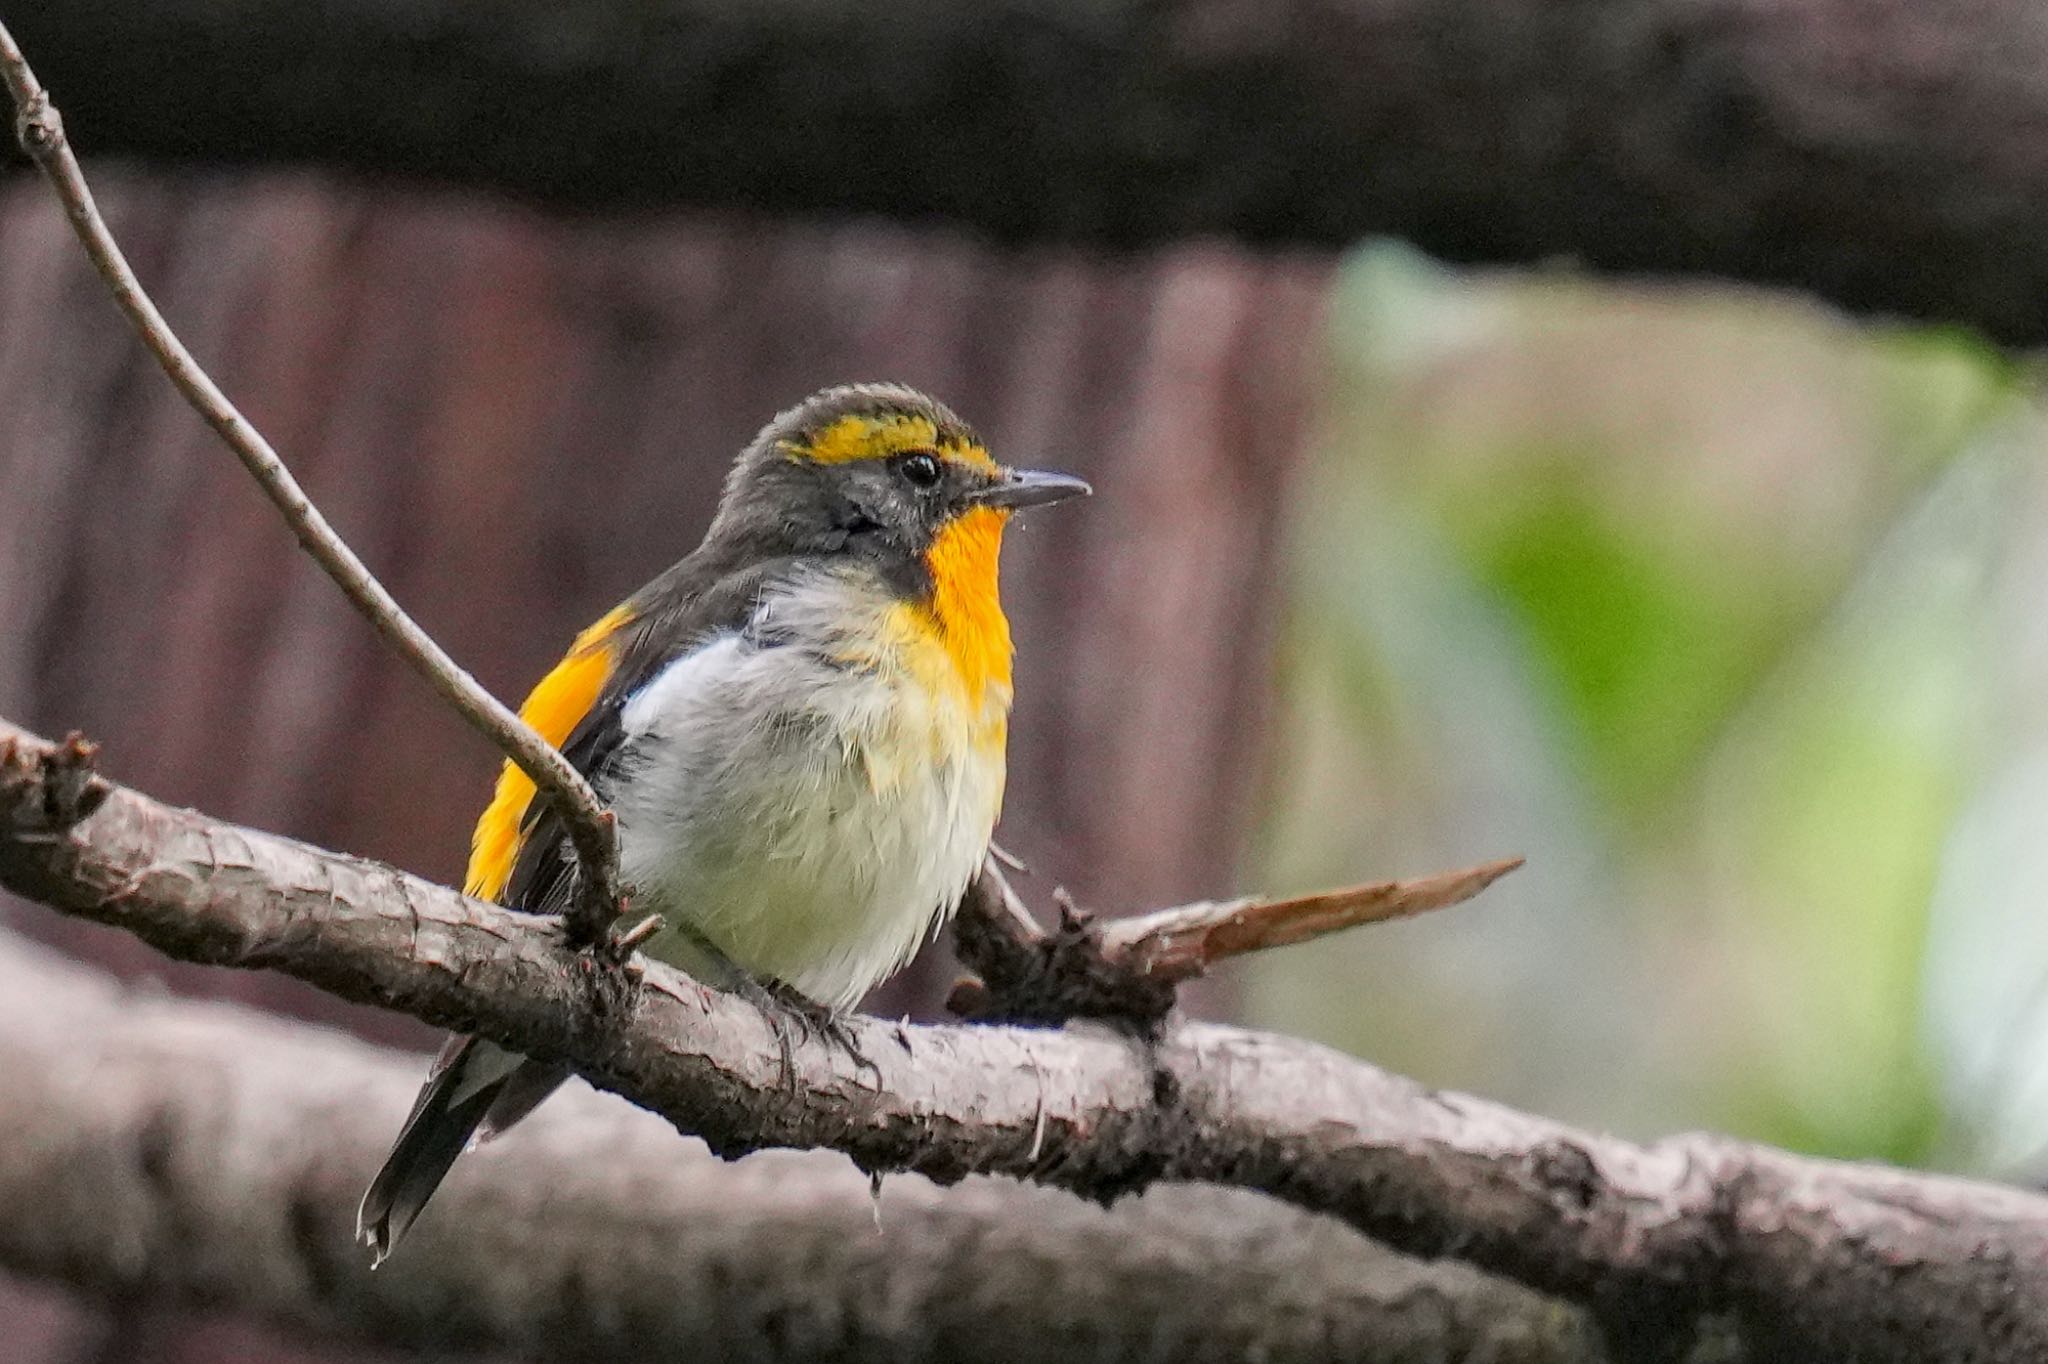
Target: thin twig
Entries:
(1009, 859)
(1129, 970)
(1016, 916)
(1179, 944)
(40, 130)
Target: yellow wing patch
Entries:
(555, 706)
(859, 436)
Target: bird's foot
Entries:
(612, 969)
(764, 997)
(829, 1025)
(788, 1011)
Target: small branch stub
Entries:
(45, 791)
(1180, 944)
(39, 127)
(1129, 969)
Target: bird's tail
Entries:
(476, 1090)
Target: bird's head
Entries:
(882, 474)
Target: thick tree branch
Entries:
(40, 130)
(158, 1148)
(1882, 154)
(1814, 1259)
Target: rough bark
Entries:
(162, 1150)
(1812, 1259)
(1880, 153)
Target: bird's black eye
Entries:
(920, 469)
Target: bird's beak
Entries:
(1031, 488)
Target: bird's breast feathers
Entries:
(814, 789)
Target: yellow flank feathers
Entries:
(858, 436)
(555, 706)
(966, 605)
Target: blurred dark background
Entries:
(1720, 606)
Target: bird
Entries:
(800, 728)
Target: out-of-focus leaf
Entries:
(1665, 489)
(1616, 579)
(1649, 645)
(1986, 1011)
(1412, 739)
(1826, 814)
(1938, 389)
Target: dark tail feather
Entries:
(467, 1080)
(520, 1095)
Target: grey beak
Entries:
(1032, 488)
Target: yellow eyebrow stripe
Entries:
(555, 706)
(857, 436)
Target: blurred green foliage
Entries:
(1693, 598)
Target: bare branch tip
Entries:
(625, 941)
(76, 750)
(1009, 859)
(969, 998)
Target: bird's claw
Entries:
(788, 1011)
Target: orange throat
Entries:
(966, 603)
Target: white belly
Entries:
(815, 820)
